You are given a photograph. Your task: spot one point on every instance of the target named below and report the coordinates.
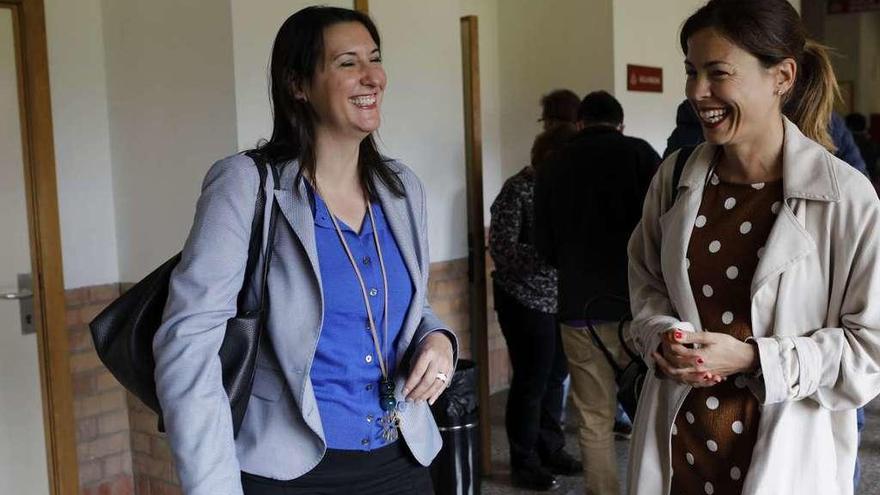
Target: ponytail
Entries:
(810, 104)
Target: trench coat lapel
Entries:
(677, 224)
(807, 175)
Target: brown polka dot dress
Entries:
(716, 427)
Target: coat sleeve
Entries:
(202, 297)
(430, 322)
(651, 307)
(838, 367)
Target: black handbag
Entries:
(123, 332)
(631, 377)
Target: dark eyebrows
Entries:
(707, 65)
(354, 54)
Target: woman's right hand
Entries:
(680, 363)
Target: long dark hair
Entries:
(298, 48)
(771, 30)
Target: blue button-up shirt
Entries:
(345, 372)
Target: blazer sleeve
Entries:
(839, 366)
(430, 322)
(651, 307)
(202, 297)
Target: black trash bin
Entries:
(456, 470)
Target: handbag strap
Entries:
(680, 160)
(256, 244)
(618, 370)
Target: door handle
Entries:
(13, 296)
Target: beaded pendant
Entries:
(390, 421)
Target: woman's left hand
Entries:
(718, 353)
(433, 356)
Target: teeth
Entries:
(713, 116)
(364, 101)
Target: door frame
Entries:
(38, 152)
(476, 230)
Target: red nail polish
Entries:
(678, 335)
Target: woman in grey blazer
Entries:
(352, 354)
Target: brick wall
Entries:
(100, 403)
(120, 450)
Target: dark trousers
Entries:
(534, 403)
(390, 470)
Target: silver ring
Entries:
(442, 377)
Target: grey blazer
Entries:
(281, 436)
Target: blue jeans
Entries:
(860, 425)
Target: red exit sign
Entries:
(642, 78)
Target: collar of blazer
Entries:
(294, 206)
(807, 168)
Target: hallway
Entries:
(499, 483)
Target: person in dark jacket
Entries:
(688, 132)
(587, 202)
(870, 150)
(525, 300)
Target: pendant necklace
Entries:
(390, 421)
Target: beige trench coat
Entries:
(815, 315)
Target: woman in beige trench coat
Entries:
(812, 319)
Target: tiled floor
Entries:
(499, 482)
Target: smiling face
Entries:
(736, 97)
(349, 82)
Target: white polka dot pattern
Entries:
(689, 416)
(690, 458)
(711, 445)
(745, 228)
(714, 246)
(758, 186)
(732, 272)
(761, 252)
(707, 290)
(776, 207)
(737, 427)
(727, 318)
(700, 222)
(740, 381)
(710, 489)
(714, 180)
(674, 429)
(735, 473)
(729, 203)
(712, 403)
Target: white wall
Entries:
(855, 39)
(490, 97)
(253, 31)
(82, 142)
(868, 84)
(423, 116)
(172, 113)
(646, 33)
(544, 46)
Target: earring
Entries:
(778, 91)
